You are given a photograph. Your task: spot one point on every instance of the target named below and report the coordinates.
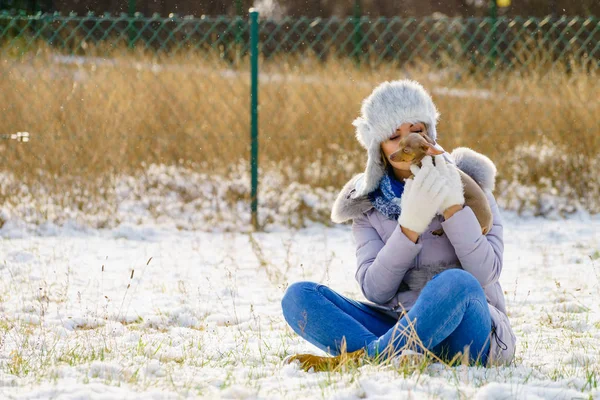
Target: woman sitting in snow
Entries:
(457, 313)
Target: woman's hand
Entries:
(455, 198)
(412, 235)
(422, 196)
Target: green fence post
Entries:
(254, 114)
(131, 7)
(131, 12)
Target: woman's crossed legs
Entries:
(450, 313)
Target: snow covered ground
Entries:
(155, 312)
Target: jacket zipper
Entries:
(417, 259)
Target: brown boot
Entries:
(318, 363)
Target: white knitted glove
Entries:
(455, 185)
(422, 196)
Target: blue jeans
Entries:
(450, 313)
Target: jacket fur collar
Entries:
(476, 165)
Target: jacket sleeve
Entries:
(381, 266)
(479, 254)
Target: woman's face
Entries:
(391, 145)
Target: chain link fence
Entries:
(112, 94)
(482, 42)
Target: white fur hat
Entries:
(390, 105)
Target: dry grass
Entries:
(119, 114)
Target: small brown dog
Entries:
(415, 146)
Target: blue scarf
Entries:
(386, 198)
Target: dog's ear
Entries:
(431, 150)
(428, 138)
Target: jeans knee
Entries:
(454, 274)
(295, 294)
(461, 281)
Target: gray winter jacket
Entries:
(392, 269)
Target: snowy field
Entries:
(144, 311)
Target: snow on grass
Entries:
(182, 197)
(114, 313)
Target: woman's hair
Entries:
(386, 164)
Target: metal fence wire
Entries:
(511, 43)
(104, 94)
